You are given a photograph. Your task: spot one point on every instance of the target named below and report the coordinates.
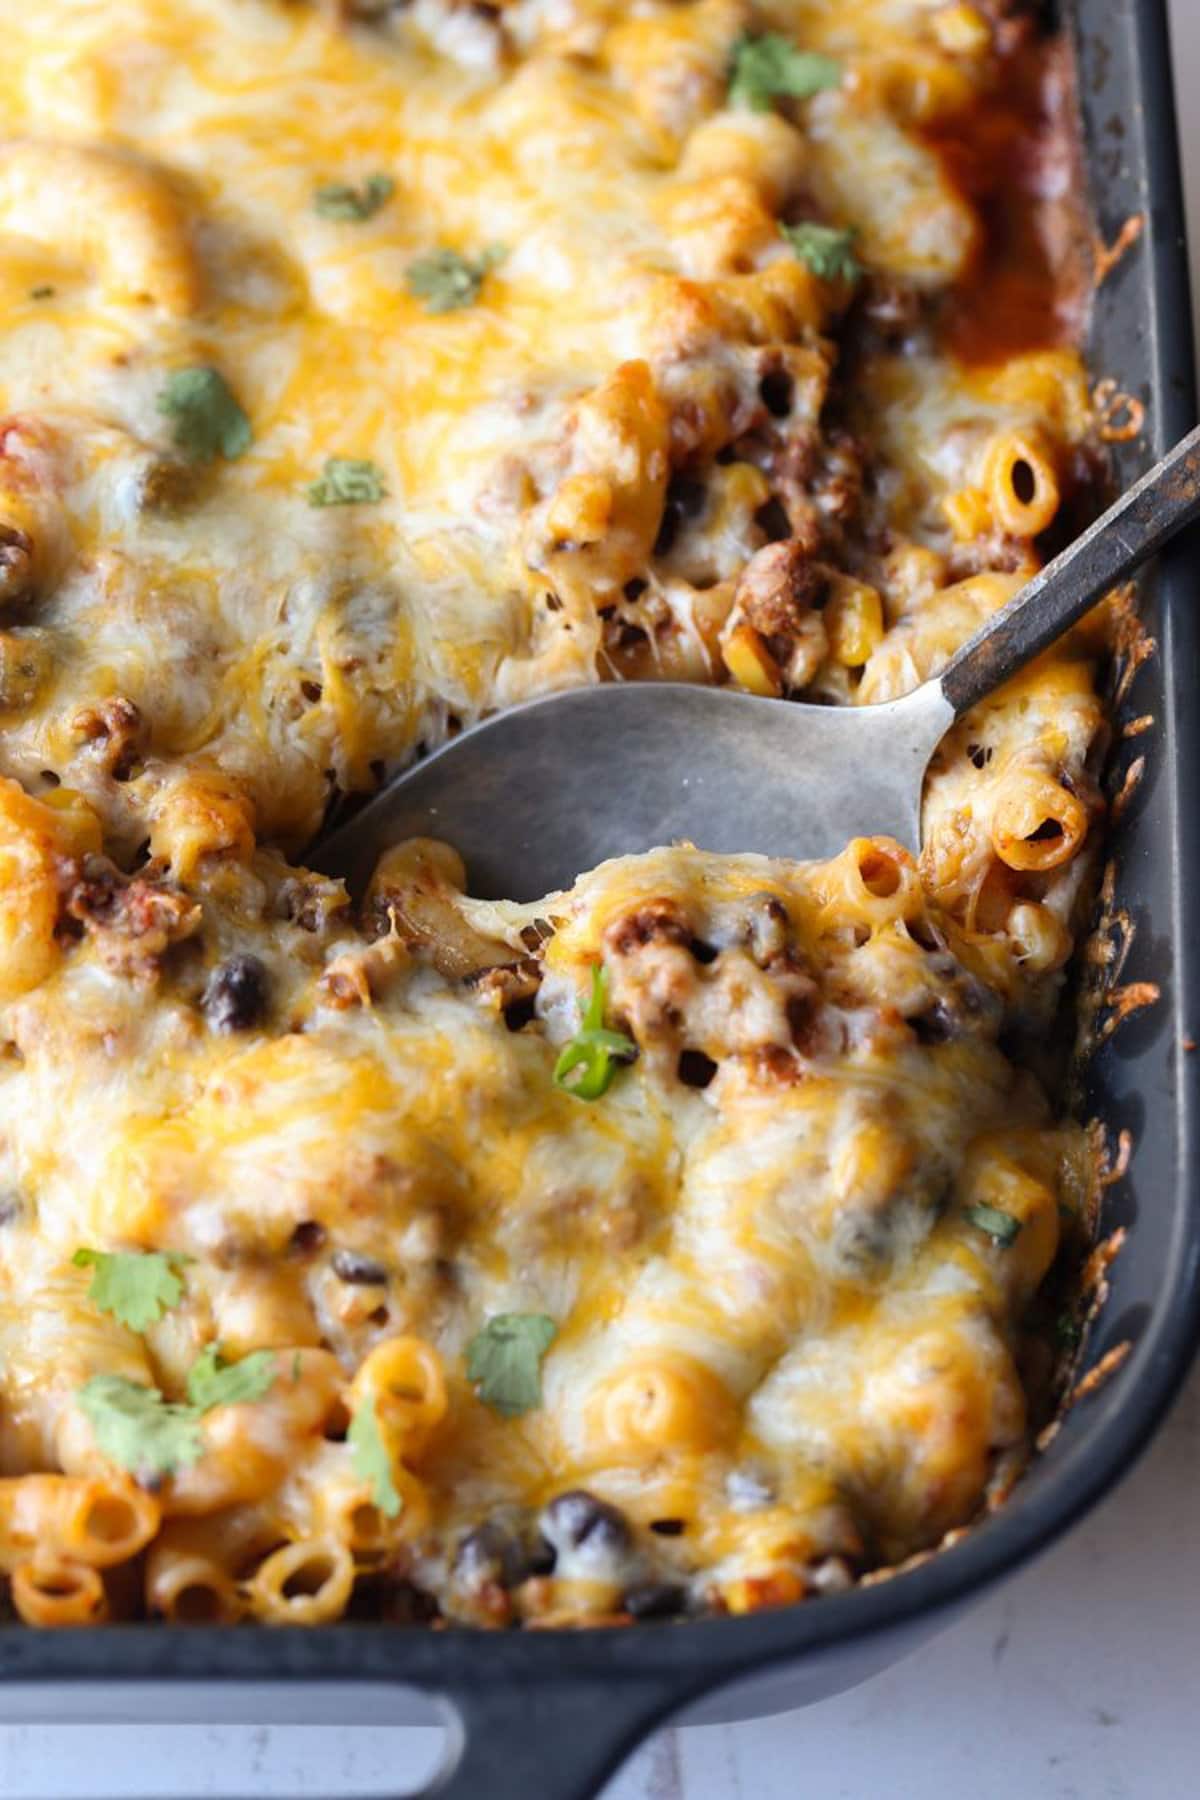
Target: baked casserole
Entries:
(686, 1240)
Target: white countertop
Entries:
(1078, 1681)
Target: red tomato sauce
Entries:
(1016, 157)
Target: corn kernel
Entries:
(854, 624)
(751, 663)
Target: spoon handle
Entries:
(1132, 531)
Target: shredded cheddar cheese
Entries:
(363, 369)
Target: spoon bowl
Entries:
(532, 797)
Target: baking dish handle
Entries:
(521, 1740)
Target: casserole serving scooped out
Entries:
(697, 1241)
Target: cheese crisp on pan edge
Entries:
(676, 1242)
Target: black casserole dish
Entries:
(551, 1713)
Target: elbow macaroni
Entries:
(690, 405)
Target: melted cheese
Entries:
(658, 440)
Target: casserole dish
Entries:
(553, 1716)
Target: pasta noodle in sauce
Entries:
(684, 1240)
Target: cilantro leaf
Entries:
(370, 1459)
(828, 252)
(446, 280)
(214, 1382)
(137, 1428)
(340, 200)
(504, 1361)
(1000, 1226)
(769, 66)
(153, 1437)
(136, 1286)
(209, 420)
(595, 1051)
(347, 481)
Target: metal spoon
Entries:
(535, 795)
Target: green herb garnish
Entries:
(209, 421)
(136, 1286)
(138, 1429)
(340, 200)
(828, 252)
(152, 1437)
(446, 280)
(347, 481)
(214, 1382)
(371, 1461)
(1000, 1226)
(504, 1361)
(595, 1052)
(770, 67)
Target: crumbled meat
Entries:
(659, 922)
(837, 487)
(311, 901)
(133, 924)
(687, 1012)
(777, 588)
(116, 733)
(772, 637)
(768, 929)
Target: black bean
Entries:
(688, 493)
(938, 1024)
(493, 1552)
(360, 1271)
(577, 1517)
(655, 1599)
(485, 1554)
(10, 1208)
(668, 1527)
(541, 1558)
(236, 994)
(307, 1237)
(695, 1069)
